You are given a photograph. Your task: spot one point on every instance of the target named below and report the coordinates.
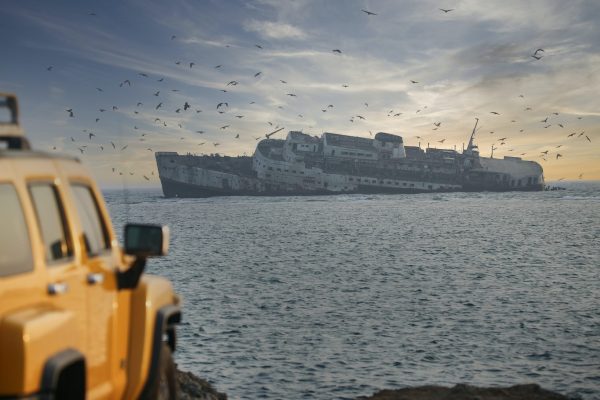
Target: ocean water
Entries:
(340, 296)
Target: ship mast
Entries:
(471, 146)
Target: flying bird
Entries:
(70, 111)
(258, 46)
(368, 12)
(446, 11)
(536, 57)
(186, 105)
(49, 68)
(124, 147)
(257, 74)
(158, 106)
(337, 51)
(494, 112)
(173, 37)
(222, 104)
(233, 83)
(413, 81)
(441, 141)
(126, 81)
(558, 155)
(143, 74)
(225, 127)
(157, 93)
(192, 64)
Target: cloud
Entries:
(274, 30)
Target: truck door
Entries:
(102, 305)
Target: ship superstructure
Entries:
(331, 164)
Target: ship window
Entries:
(294, 171)
(302, 172)
(357, 179)
(350, 179)
(389, 182)
(535, 180)
(412, 185)
(286, 170)
(397, 183)
(430, 187)
(344, 153)
(270, 168)
(268, 175)
(529, 180)
(279, 169)
(374, 180)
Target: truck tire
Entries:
(166, 387)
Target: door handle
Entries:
(94, 279)
(57, 288)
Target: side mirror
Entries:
(142, 240)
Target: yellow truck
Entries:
(78, 318)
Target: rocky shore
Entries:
(192, 387)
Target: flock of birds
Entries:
(223, 107)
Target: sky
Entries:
(405, 69)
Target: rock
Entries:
(467, 392)
(192, 387)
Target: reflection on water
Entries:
(335, 297)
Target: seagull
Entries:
(344, 85)
(173, 37)
(561, 125)
(142, 74)
(441, 141)
(545, 152)
(126, 81)
(258, 46)
(49, 68)
(538, 50)
(291, 95)
(139, 104)
(99, 89)
(337, 51)
(239, 116)
(558, 155)
(588, 138)
(115, 108)
(113, 145)
(222, 104)
(216, 144)
(237, 136)
(201, 132)
(233, 83)
(97, 119)
(368, 12)
(257, 74)
(80, 149)
(192, 64)
(572, 134)
(494, 112)
(446, 11)
(282, 81)
(177, 62)
(124, 147)
(437, 123)
(360, 116)
(91, 135)
(186, 106)
(146, 178)
(157, 93)
(158, 106)
(502, 139)
(160, 80)
(70, 111)
(536, 57)
(225, 127)
(413, 81)
(544, 120)
(218, 66)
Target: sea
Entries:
(335, 297)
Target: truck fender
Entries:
(166, 318)
(64, 374)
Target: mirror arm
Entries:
(130, 278)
